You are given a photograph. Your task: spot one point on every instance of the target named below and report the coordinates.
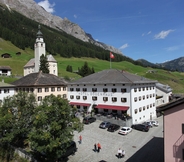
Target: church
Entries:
(39, 48)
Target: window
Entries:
(153, 104)
(94, 89)
(39, 98)
(59, 96)
(39, 90)
(144, 108)
(27, 89)
(94, 98)
(153, 95)
(135, 99)
(123, 90)
(114, 99)
(84, 97)
(105, 90)
(64, 96)
(143, 97)
(139, 98)
(140, 109)
(150, 88)
(105, 98)
(150, 95)
(64, 88)
(143, 88)
(71, 89)
(135, 111)
(31, 89)
(6, 90)
(46, 89)
(139, 89)
(77, 97)
(84, 89)
(58, 88)
(135, 89)
(123, 100)
(146, 88)
(52, 89)
(114, 90)
(182, 128)
(77, 89)
(147, 96)
(150, 105)
(147, 106)
(71, 97)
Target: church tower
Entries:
(39, 49)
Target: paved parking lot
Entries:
(139, 146)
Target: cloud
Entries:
(173, 48)
(163, 34)
(47, 6)
(149, 33)
(124, 46)
(146, 33)
(75, 16)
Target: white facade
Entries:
(6, 90)
(135, 99)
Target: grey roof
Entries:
(164, 88)
(6, 85)
(50, 58)
(39, 79)
(112, 76)
(5, 68)
(30, 63)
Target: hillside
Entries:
(173, 79)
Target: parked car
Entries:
(104, 124)
(89, 119)
(113, 128)
(150, 125)
(141, 127)
(125, 130)
(155, 123)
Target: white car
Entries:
(125, 130)
(154, 123)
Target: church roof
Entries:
(39, 79)
(50, 58)
(30, 63)
(113, 76)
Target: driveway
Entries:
(139, 146)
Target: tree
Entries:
(16, 117)
(44, 65)
(85, 70)
(54, 124)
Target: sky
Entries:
(141, 29)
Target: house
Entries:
(5, 70)
(163, 94)
(6, 90)
(173, 114)
(42, 85)
(115, 91)
(33, 65)
(6, 55)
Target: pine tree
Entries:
(44, 65)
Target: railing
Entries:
(178, 146)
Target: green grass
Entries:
(173, 79)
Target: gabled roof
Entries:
(30, 63)
(112, 76)
(164, 88)
(39, 79)
(50, 58)
(6, 85)
(5, 68)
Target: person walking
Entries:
(80, 139)
(95, 147)
(99, 147)
(119, 153)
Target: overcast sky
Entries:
(142, 29)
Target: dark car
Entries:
(141, 127)
(89, 119)
(113, 128)
(104, 125)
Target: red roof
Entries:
(112, 107)
(79, 103)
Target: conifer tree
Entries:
(44, 65)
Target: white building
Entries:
(163, 94)
(115, 91)
(5, 70)
(34, 64)
(6, 90)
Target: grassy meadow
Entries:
(17, 62)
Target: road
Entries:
(139, 146)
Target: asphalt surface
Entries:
(139, 146)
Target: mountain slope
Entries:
(30, 9)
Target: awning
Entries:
(112, 107)
(79, 103)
